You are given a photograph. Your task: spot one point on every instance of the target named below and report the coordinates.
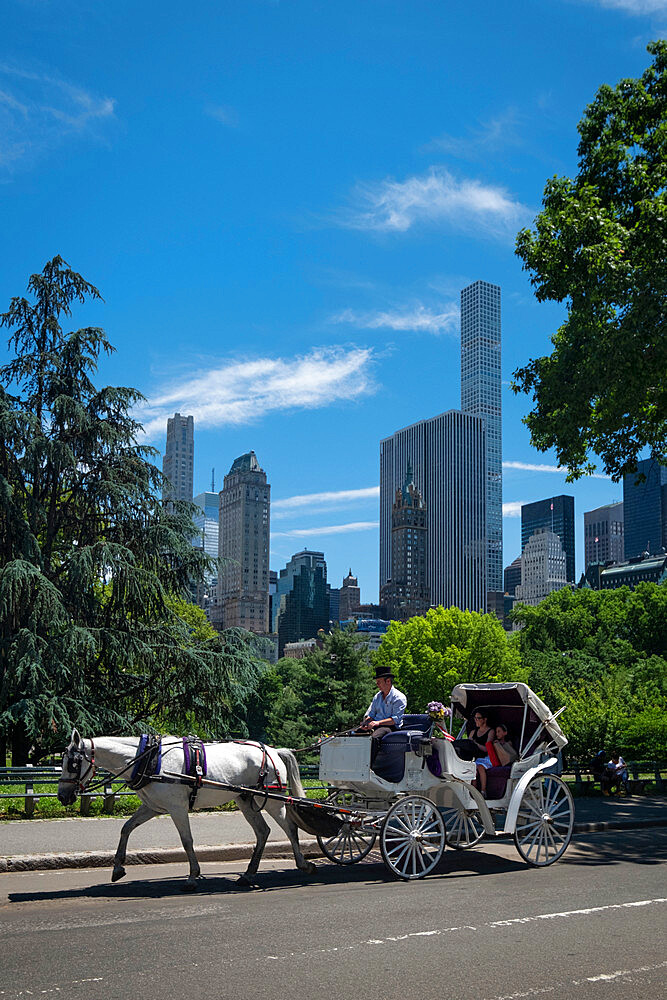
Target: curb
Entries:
(231, 852)
(156, 856)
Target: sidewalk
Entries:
(91, 842)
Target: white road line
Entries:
(434, 932)
(602, 977)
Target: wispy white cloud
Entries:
(633, 6)
(481, 139)
(416, 317)
(38, 110)
(433, 198)
(242, 392)
(330, 529)
(537, 467)
(512, 508)
(329, 496)
(222, 113)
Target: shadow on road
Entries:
(454, 865)
(635, 847)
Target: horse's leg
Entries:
(181, 820)
(279, 813)
(261, 830)
(142, 815)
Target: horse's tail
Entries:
(293, 776)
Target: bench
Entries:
(585, 780)
(30, 776)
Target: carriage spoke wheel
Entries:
(412, 838)
(464, 826)
(545, 820)
(347, 846)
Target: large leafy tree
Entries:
(600, 245)
(92, 564)
(601, 654)
(431, 653)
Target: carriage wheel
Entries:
(464, 826)
(347, 846)
(412, 838)
(545, 820)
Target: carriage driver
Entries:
(385, 712)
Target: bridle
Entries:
(75, 758)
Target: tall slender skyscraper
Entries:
(448, 458)
(481, 395)
(179, 455)
(243, 584)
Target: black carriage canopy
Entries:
(513, 704)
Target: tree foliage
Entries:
(446, 646)
(600, 245)
(326, 691)
(601, 654)
(90, 558)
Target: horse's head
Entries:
(78, 769)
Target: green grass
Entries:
(124, 805)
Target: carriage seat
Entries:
(390, 761)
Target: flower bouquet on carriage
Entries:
(439, 713)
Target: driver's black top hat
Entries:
(383, 672)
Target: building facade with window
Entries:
(179, 457)
(603, 534)
(481, 385)
(447, 455)
(554, 514)
(407, 592)
(543, 567)
(243, 545)
(645, 509)
(301, 601)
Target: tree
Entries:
(90, 558)
(446, 646)
(600, 244)
(326, 691)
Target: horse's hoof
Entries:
(245, 882)
(309, 868)
(189, 887)
(117, 873)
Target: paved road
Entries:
(484, 927)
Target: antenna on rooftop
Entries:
(213, 480)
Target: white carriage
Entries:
(419, 795)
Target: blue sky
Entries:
(280, 202)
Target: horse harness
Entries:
(263, 785)
(148, 761)
(194, 754)
(75, 758)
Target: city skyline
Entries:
(281, 212)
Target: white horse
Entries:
(229, 763)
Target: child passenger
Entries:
(505, 753)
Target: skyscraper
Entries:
(207, 521)
(407, 593)
(481, 395)
(349, 597)
(645, 509)
(543, 567)
(603, 534)
(178, 461)
(301, 601)
(553, 514)
(512, 576)
(243, 584)
(448, 457)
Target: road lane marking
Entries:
(435, 932)
(602, 977)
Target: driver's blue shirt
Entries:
(393, 706)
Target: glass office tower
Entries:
(481, 395)
(553, 514)
(645, 509)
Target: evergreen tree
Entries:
(90, 558)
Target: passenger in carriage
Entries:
(504, 753)
(483, 733)
(386, 710)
